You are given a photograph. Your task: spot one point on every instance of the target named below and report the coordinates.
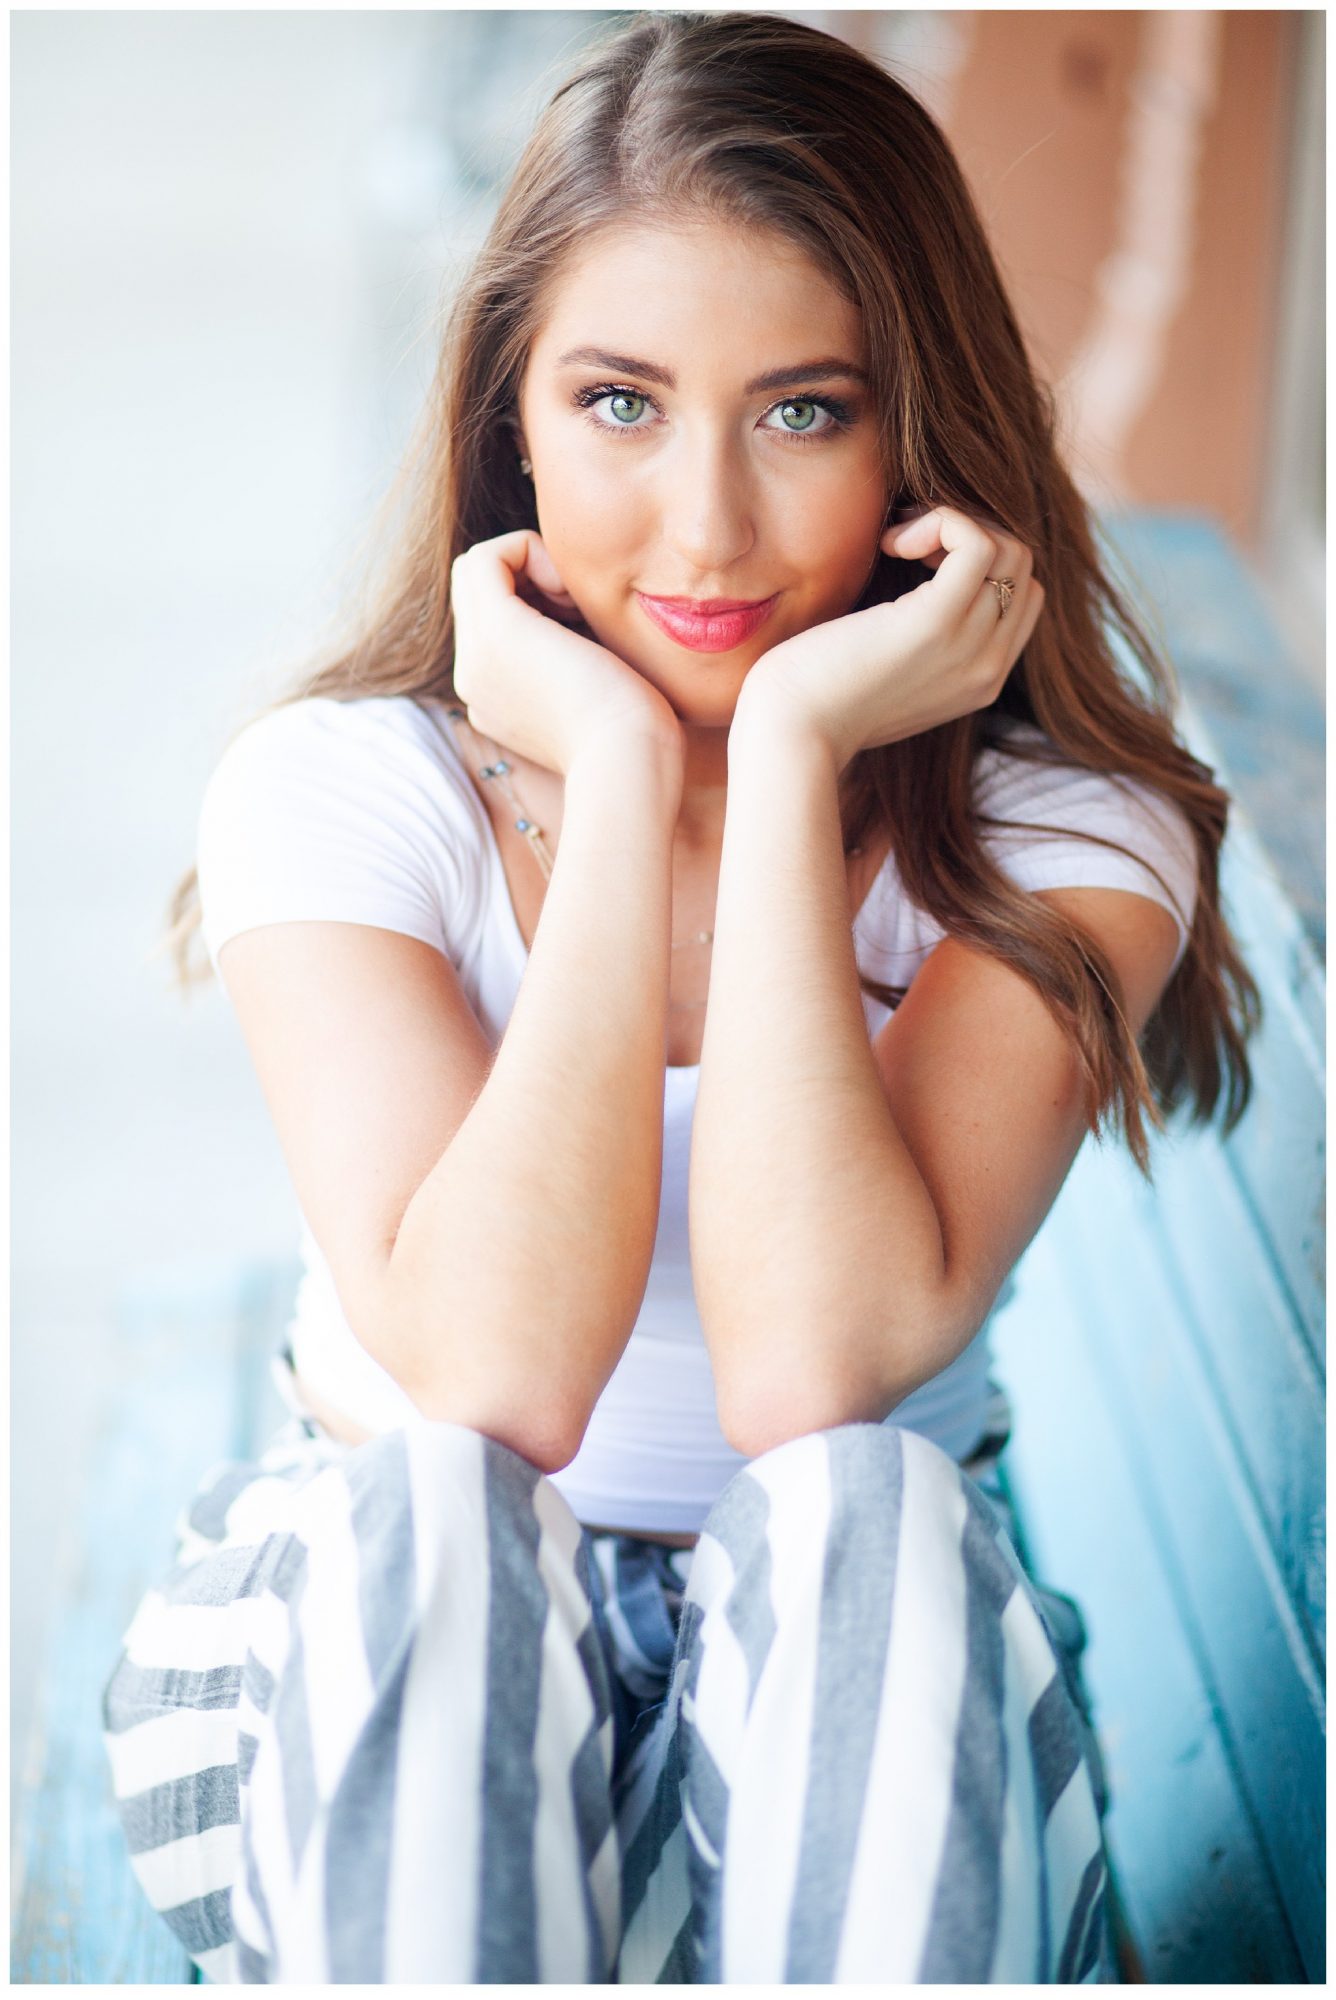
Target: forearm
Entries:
(813, 1235)
(522, 1259)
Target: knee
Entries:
(435, 1480)
(860, 1462)
(848, 1485)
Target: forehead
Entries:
(684, 293)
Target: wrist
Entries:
(767, 723)
(648, 752)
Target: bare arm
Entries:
(854, 1205)
(520, 1263)
(489, 1220)
(811, 1231)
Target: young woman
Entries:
(609, 1612)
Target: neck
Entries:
(705, 781)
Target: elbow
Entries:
(766, 1407)
(514, 1398)
(548, 1451)
(540, 1426)
(548, 1440)
(760, 1416)
(545, 1438)
(751, 1433)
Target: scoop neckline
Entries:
(500, 885)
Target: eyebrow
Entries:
(774, 378)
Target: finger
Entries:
(1014, 566)
(912, 535)
(543, 571)
(927, 545)
(891, 546)
(1009, 632)
(1033, 612)
(1015, 562)
(902, 517)
(968, 553)
(1019, 634)
(510, 551)
(523, 554)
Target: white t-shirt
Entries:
(363, 812)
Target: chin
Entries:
(700, 688)
(701, 707)
(706, 711)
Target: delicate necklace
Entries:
(499, 772)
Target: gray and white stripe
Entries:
(394, 1716)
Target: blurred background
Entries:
(231, 235)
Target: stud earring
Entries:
(526, 468)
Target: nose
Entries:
(707, 509)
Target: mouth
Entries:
(707, 625)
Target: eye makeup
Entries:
(842, 414)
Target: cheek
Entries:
(841, 548)
(587, 524)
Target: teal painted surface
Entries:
(1192, 1872)
(1213, 1547)
(1166, 1353)
(1236, 671)
(1256, 1369)
(188, 1393)
(1278, 1155)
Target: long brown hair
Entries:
(765, 122)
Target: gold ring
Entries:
(1004, 586)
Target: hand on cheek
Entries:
(915, 537)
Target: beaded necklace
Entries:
(498, 772)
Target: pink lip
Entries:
(712, 625)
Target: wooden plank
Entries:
(1191, 1329)
(1192, 1874)
(1232, 1597)
(1250, 713)
(1261, 1372)
(1261, 711)
(185, 1396)
(1279, 1151)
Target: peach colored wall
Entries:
(1205, 435)
(1037, 123)
(1089, 132)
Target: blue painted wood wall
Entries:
(190, 1389)
(1166, 1351)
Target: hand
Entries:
(534, 684)
(894, 670)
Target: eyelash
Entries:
(841, 413)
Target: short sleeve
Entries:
(325, 810)
(1025, 797)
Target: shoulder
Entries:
(374, 738)
(1048, 824)
(1023, 780)
(360, 810)
(380, 767)
(1051, 824)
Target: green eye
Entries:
(622, 398)
(809, 420)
